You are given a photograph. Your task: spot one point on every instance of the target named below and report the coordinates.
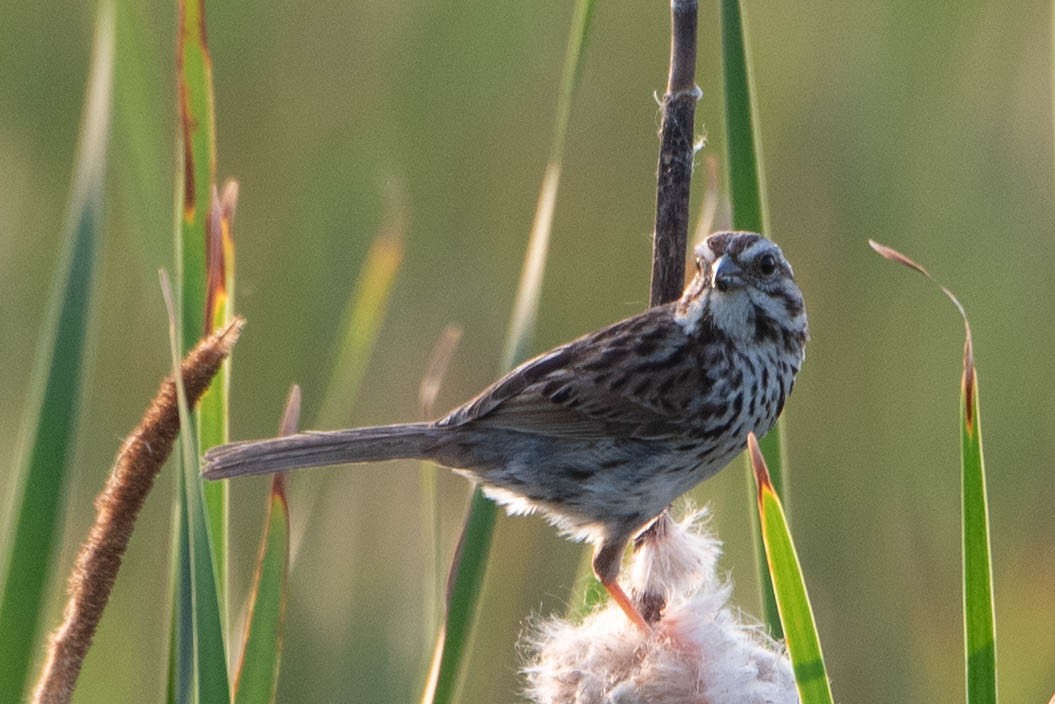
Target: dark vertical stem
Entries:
(676, 151)
(673, 178)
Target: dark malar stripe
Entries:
(767, 329)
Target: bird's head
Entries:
(746, 286)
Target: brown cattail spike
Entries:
(135, 469)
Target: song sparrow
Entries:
(602, 433)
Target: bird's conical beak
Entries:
(726, 274)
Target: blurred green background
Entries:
(927, 128)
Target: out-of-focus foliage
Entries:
(922, 126)
(31, 525)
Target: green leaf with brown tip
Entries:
(789, 587)
(197, 167)
(199, 660)
(257, 677)
(979, 622)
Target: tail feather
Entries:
(316, 449)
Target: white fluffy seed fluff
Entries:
(700, 652)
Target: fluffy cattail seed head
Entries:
(701, 651)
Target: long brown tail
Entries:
(316, 449)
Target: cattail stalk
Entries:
(137, 466)
(676, 153)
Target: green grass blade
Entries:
(180, 687)
(431, 381)
(772, 446)
(470, 564)
(212, 411)
(793, 603)
(979, 622)
(525, 309)
(746, 197)
(257, 676)
(258, 673)
(201, 660)
(209, 656)
(35, 512)
(195, 187)
(202, 525)
(364, 312)
(466, 584)
(742, 155)
(197, 170)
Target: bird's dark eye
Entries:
(767, 265)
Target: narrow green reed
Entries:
(212, 411)
(793, 602)
(978, 619)
(33, 517)
(364, 312)
(196, 192)
(470, 562)
(256, 680)
(257, 674)
(199, 661)
(979, 623)
(746, 195)
(742, 151)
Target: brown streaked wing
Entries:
(563, 393)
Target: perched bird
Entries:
(602, 433)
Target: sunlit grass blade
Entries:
(257, 675)
(979, 620)
(525, 310)
(793, 603)
(435, 372)
(212, 412)
(746, 198)
(470, 562)
(363, 314)
(33, 516)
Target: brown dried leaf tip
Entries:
(758, 463)
(189, 122)
(969, 373)
(969, 383)
(287, 426)
(137, 465)
(436, 367)
(219, 252)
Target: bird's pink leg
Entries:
(624, 603)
